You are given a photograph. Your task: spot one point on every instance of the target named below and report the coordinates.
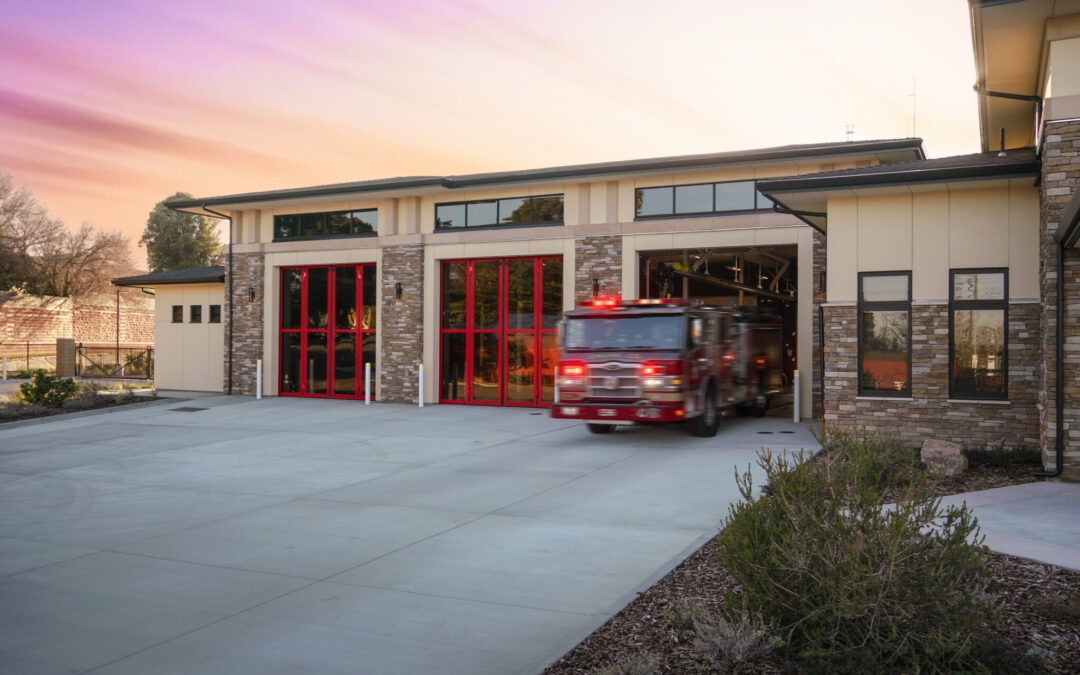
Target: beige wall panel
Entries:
(884, 237)
(770, 236)
(630, 268)
(626, 201)
(775, 171)
(804, 322)
(508, 248)
(1064, 68)
(571, 204)
(1023, 242)
(930, 246)
(598, 203)
(427, 214)
(979, 228)
(266, 225)
(651, 242)
(339, 257)
(188, 356)
(549, 246)
(652, 181)
(842, 252)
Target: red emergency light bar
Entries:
(616, 302)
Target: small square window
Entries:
(196, 314)
(215, 314)
(178, 314)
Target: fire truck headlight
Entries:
(572, 382)
(566, 410)
(652, 382)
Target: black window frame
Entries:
(757, 208)
(883, 306)
(178, 314)
(1003, 305)
(498, 215)
(192, 318)
(214, 315)
(325, 215)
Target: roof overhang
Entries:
(1009, 39)
(807, 197)
(886, 151)
(206, 275)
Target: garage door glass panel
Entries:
(345, 298)
(316, 363)
(553, 296)
(292, 298)
(550, 357)
(368, 315)
(290, 363)
(486, 289)
(454, 291)
(453, 367)
(520, 294)
(317, 297)
(485, 370)
(520, 367)
(345, 364)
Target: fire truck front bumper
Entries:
(601, 412)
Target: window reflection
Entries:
(885, 346)
(334, 224)
(509, 211)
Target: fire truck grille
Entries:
(614, 380)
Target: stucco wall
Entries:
(189, 356)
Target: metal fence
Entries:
(101, 360)
(27, 355)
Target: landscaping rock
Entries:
(943, 458)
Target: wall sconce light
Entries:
(251, 294)
(397, 290)
(595, 287)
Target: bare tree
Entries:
(39, 254)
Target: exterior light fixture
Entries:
(595, 287)
(397, 290)
(251, 294)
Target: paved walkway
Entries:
(1037, 521)
(227, 535)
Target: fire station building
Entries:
(921, 296)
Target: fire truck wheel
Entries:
(761, 405)
(600, 428)
(706, 424)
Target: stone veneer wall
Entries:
(928, 414)
(402, 324)
(597, 258)
(1060, 181)
(819, 298)
(248, 314)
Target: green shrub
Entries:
(48, 390)
(847, 581)
(137, 364)
(730, 643)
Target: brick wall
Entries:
(248, 334)
(402, 323)
(1060, 180)
(928, 413)
(597, 258)
(30, 318)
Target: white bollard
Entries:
(258, 380)
(421, 396)
(795, 411)
(367, 383)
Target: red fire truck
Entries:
(665, 361)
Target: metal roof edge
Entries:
(894, 178)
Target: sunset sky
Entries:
(107, 107)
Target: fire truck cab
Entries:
(655, 361)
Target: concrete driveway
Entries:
(292, 535)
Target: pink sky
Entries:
(110, 106)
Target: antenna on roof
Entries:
(849, 132)
(914, 132)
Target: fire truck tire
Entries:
(761, 405)
(600, 428)
(706, 424)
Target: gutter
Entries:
(232, 298)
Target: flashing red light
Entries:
(605, 302)
(759, 362)
(652, 369)
(660, 301)
(572, 369)
(729, 357)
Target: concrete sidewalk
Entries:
(1036, 521)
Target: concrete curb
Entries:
(4, 426)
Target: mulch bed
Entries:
(1039, 606)
(105, 401)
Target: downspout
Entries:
(232, 300)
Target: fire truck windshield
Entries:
(624, 332)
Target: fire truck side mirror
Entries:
(696, 328)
